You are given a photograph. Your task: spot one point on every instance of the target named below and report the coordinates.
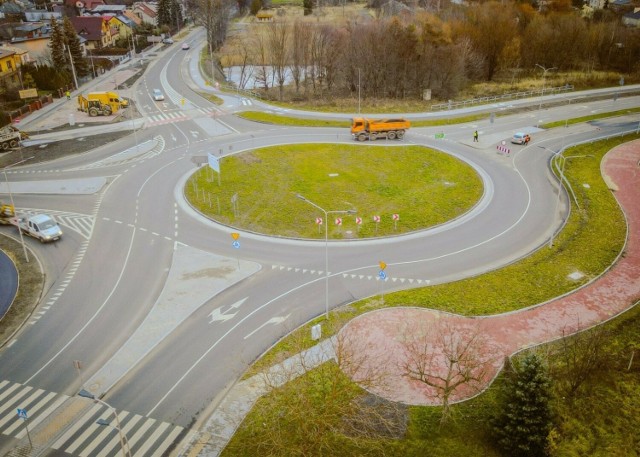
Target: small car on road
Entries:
(521, 138)
(167, 41)
(185, 46)
(158, 95)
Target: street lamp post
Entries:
(24, 248)
(544, 80)
(326, 246)
(126, 452)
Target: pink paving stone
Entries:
(380, 336)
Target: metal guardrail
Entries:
(497, 98)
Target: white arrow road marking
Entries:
(218, 315)
(194, 133)
(273, 320)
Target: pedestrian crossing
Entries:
(97, 429)
(361, 277)
(170, 117)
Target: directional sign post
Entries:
(382, 276)
(396, 218)
(376, 219)
(22, 414)
(236, 245)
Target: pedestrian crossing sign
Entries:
(22, 413)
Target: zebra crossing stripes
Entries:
(95, 432)
(425, 282)
(167, 117)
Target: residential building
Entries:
(95, 30)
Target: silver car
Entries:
(158, 95)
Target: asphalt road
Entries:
(104, 280)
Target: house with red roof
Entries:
(95, 30)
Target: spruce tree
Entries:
(56, 45)
(523, 422)
(73, 42)
(164, 13)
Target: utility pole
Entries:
(73, 68)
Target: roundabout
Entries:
(256, 189)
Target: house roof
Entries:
(145, 9)
(4, 53)
(89, 27)
(115, 9)
(132, 16)
(10, 8)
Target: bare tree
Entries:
(577, 358)
(278, 41)
(445, 358)
(299, 52)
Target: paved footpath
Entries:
(382, 336)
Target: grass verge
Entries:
(592, 117)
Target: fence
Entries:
(30, 107)
(498, 98)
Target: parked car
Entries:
(167, 41)
(158, 95)
(521, 138)
(185, 46)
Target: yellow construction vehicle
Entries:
(7, 213)
(101, 103)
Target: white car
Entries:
(520, 138)
(185, 46)
(41, 226)
(167, 41)
(157, 95)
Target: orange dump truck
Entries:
(371, 129)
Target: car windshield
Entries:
(46, 224)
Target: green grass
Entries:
(592, 117)
(277, 119)
(423, 186)
(212, 98)
(590, 241)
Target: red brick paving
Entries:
(378, 336)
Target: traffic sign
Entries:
(22, 413)
(382, 275)
(439, 136)
(382, 265)
(396, 217)
(319, 220)
(338, 221)
(235, 235)
(358, 220)
(376, 218)
(236, 244)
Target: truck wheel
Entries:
(13, 143)
(400, 134)
(5, 146)
(93, 112)
(107, 110)
(362, 137)
(391, 135)
(373, 136)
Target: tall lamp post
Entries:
(126, 452)
(326, 246)
(544, 81)
(24, 248)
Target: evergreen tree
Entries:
(56, 45)
(523, 422)
(308, 7)
(164, 13)
(75, 49)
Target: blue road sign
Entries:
(236, 244)
(382, 275)
(22, 413)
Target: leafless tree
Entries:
(278, 34)
(445, 358)
(299, 52)
(577, 358)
